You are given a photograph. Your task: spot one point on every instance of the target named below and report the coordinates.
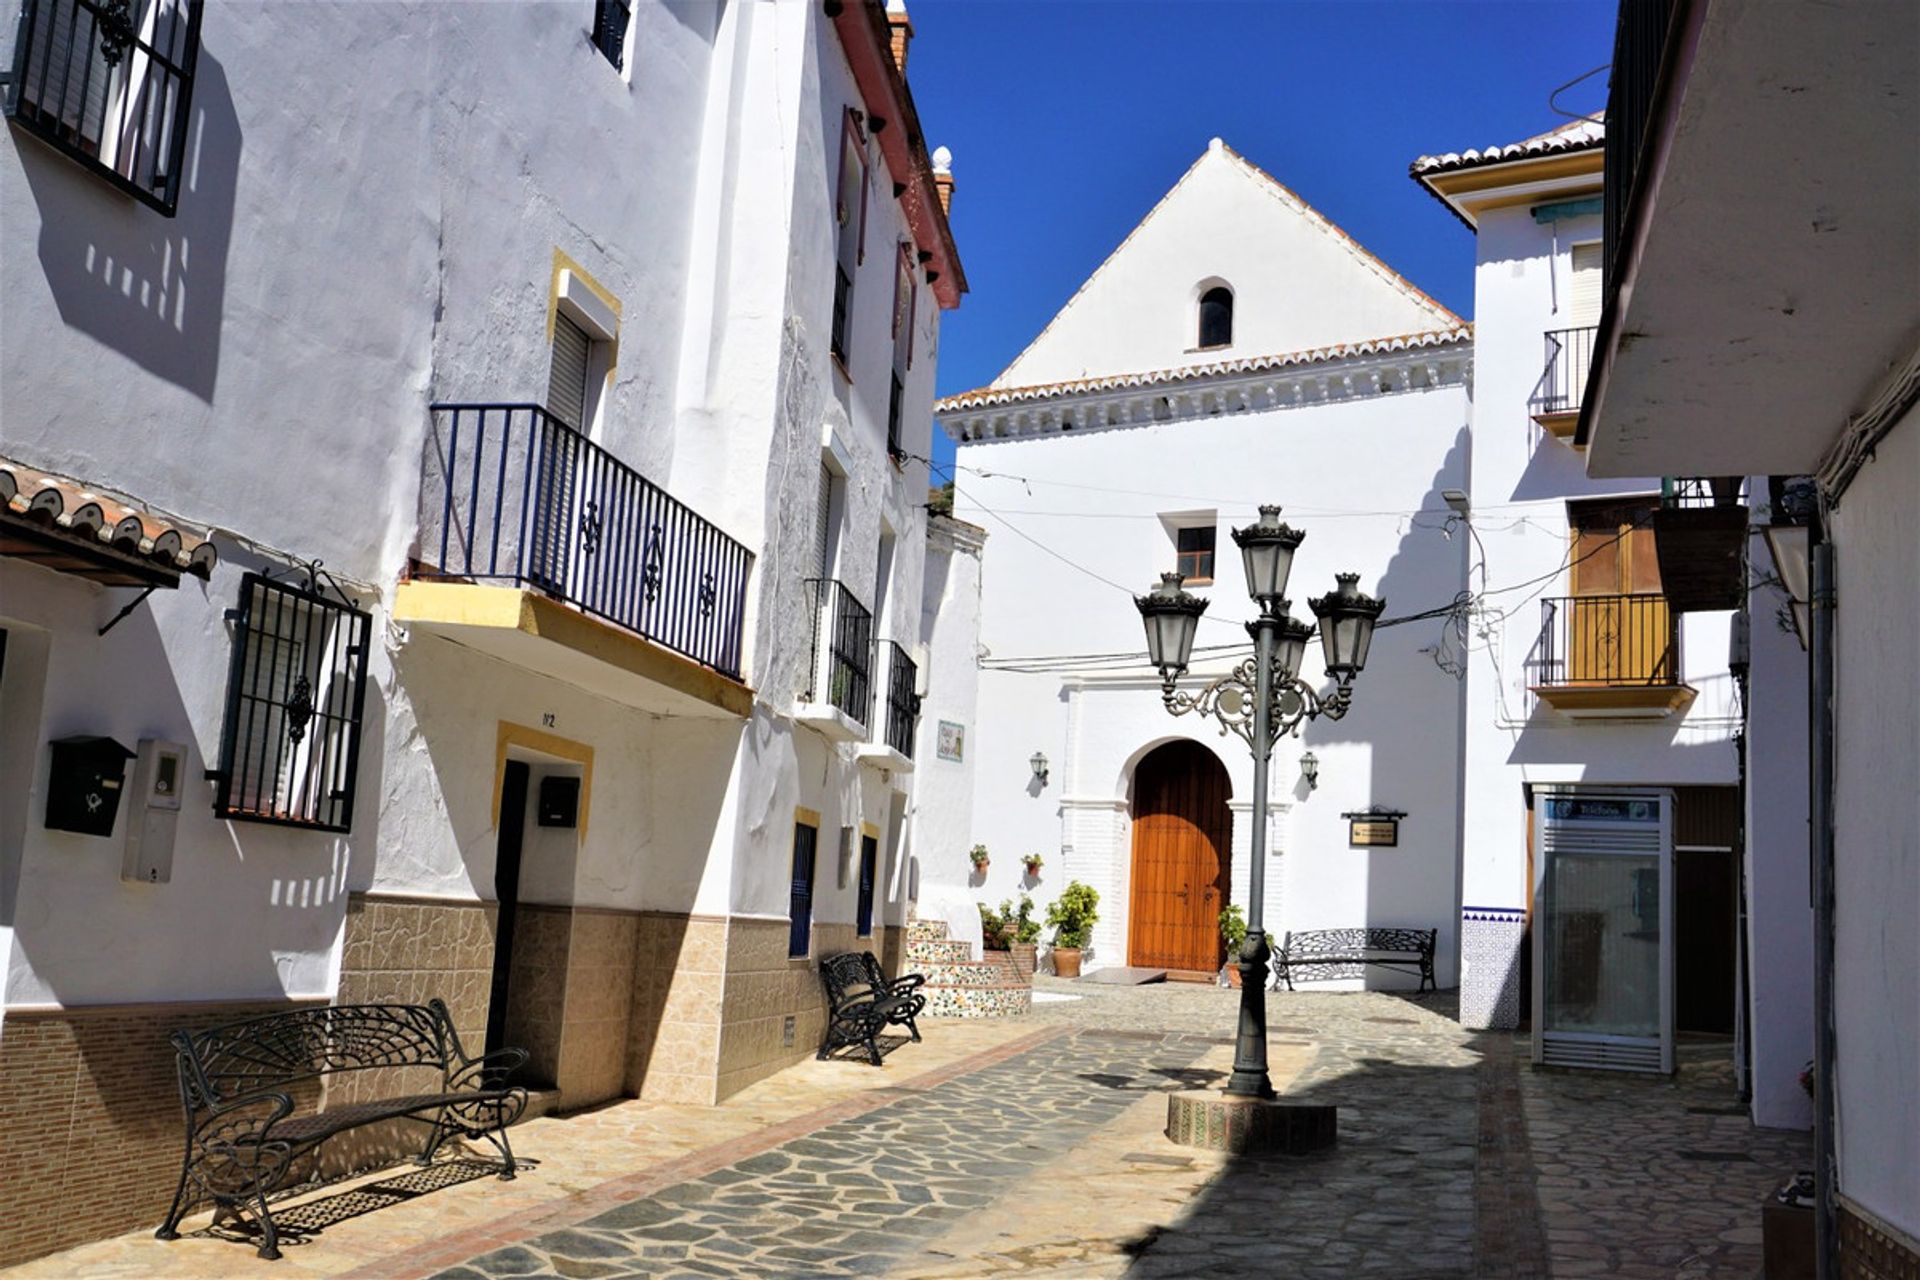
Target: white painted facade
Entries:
(261, 366)
(1522, 481)
(1081, 488)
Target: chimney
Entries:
(902, 28)
(943, 178)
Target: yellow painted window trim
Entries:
(563, 263)
(551, 744)
(806, 817)
(868, 829)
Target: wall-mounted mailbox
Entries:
(153, 809)
(83, 787)
(559, 801)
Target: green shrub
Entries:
(1025, 927)
(1073, 915)
(1233, 929)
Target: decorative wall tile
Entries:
(1490, 943)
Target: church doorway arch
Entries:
(1182, 863)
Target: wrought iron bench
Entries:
(862, 1002)
(1345, 953)
(242, 1135)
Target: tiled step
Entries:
(941, 952)
(964, 973)
(926, 931)
(1004, 1000)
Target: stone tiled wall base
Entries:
(90, 1122)
(764, 988)
(570, 999)
(673, 1030)
(1490, 941)
(1874, 1250)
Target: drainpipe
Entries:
(1820, 815)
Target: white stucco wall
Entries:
(1308, 286)
(1522, 481)
(1074, 524)
(1877, 832)
(1779, 905)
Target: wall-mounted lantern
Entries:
(1039, 763)
(1310, 770)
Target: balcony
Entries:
(1555, 404)
(839, 697)
(1609, 657)
(544, 549)
(1700, 537)
(899, 712)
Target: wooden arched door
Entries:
(1182, 838)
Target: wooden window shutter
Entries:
(1583, 304)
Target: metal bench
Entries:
(862, 1002)
(242, 1135)
(1345, 953)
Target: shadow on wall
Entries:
(149, 287)
(1406, 712)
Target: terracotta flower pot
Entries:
(1233, 973)
(1066, 962)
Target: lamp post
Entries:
(1262, 700)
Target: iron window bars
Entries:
(1608, 641)
(843, 649)
(1564, 380)
(806, 845)
(903, 704)
(109, 83)
(290, 741)
(512, 494)
(610, 29)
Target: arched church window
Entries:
(1216, 317)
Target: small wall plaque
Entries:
(951, 742)
(1374, 828)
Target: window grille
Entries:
(1195, 550)
(610, 19)
(109, 83)
(806, 843)
(290, 743)
(850, 217)
(1216, 317)
(869, 857)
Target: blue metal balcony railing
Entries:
(509, 493)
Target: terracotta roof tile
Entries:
(1575, 135)
(985, 397)
(102, 520)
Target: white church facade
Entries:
(1237, 349)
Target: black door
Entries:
(1704, 899)
(506, 885)
(869, 858)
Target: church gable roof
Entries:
(1298, 280)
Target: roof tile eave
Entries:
(1576, 135)
(993, 397)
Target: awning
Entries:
(64, 525)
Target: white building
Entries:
(1588, 672)
(1236, 349)
(503, 385)
(1761, 319)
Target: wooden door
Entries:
(1621, 630)
(1182, 838)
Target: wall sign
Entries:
(951, 742)
(1374, 828)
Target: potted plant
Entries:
(1033, 863)
(996, 927)
(978, 857)
(1233, 932)
(1072, 916)
(1026, 938)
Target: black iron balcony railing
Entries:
(108, 82)
(1696, 493)
(842, 672)
(903, 704)
(509, 493)
(1639, 46)
(1569, 355)
(1607, 641)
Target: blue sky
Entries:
(1068, 119)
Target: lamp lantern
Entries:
(1039, 763)
(1171, 617)
(1290, 644)
(1347, 616)
(1310, 770)
(1267, 548)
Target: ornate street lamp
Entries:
(1263, 699)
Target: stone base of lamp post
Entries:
(1224, 1122)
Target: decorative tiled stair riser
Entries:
(959, 986)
